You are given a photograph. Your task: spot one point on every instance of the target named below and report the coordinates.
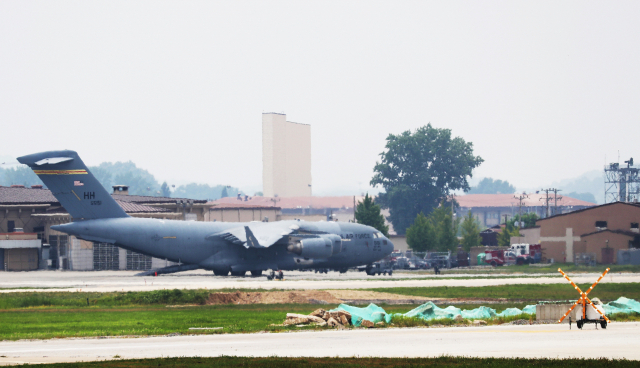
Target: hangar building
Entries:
(600, 230)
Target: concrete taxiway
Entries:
(104, 281)
(619, 340)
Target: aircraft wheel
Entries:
(238, 273)
(220, 273)
(579, 324)
(603, 324)
(256, 273)
(390, 273)
(494, 264)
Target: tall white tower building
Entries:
(286, 157)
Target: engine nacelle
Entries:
(336, 242)
(323, 246)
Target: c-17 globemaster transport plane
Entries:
(222, 247)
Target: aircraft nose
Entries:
(388, 248)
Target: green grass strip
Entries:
(569, 268)
(533, 292)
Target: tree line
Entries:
(140, 182)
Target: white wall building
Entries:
(286, 157)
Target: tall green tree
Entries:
(445, 228)
(368, 213)
(470, 232)
(490, 186)
(140, 181)
(165, 191)
(202, 191)
(504, 238)
(529, 220)
(436, 232)
(421, 235)
(21, 175)
(417, 170)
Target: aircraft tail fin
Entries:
(69, 180)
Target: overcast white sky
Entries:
(544, 90)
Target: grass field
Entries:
(349, 363)
(531, 292)
(43, 315)
(551, 269)
(46, 322)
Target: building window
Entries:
(634, 225)
(601, 225)
(11, 226)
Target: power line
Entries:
(555, 194)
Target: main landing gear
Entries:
(276, 276)
(236, 273)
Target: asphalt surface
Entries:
(619, 340)
(103, 281)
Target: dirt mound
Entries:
(274, 297)
(346, 294)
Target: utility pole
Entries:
(555, 200)
(520, 199)
(546, 202)
(555, 191)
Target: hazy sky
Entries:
(544, 90)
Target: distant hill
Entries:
(585, 186)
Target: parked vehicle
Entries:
(441, 259)
(527, 253)
(500, 257)
(462, 258)
(379, 268)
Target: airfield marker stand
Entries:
(583, 300)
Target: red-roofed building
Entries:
(492, 209)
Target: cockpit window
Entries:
(377, 235)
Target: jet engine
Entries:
(323, 246)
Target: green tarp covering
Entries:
(622, 305)
(430, 311)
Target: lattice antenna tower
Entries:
(622, 182)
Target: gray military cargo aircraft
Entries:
(222, 247)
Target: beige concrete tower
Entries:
(286, 157)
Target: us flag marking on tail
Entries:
(77, 183)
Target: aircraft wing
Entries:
(256, 235)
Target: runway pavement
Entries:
(619, 340)
(103, 281)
